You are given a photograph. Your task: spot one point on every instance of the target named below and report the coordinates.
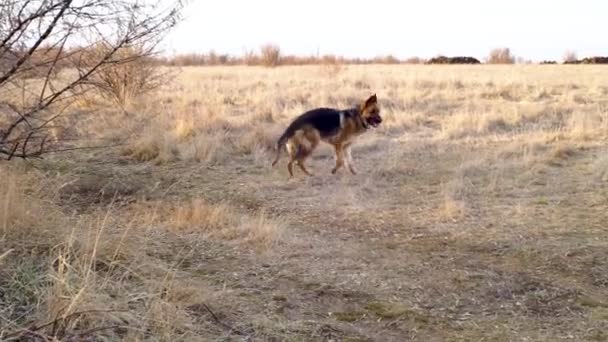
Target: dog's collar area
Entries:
(364, 123)
(355, 112)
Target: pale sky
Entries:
(533, 29)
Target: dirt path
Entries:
(370, 257)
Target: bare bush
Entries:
(414, 60)
(501, 56)
(251, 58)
(124, 82)
(570, 56)
(270, 55)
(389, 59)
(45, 56)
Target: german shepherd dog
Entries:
(336, 127)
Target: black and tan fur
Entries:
(336, 127)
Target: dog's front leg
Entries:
(339, 158)
(349, 160)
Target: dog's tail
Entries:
(280, 143)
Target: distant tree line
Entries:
(271, 55)
(453, 60)
(589, 60)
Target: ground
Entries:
(479, 211)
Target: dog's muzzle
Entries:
(374, 121)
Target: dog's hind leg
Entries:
(278, 156)
(292, 151)
(308, 145)
(303, 168)
(301, 155)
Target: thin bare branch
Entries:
(222, 323)
(39, 38)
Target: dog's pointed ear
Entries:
(372, 100)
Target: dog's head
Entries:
(370, 112)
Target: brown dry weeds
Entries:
(479, 212)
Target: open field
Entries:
(479, 213)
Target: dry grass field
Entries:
(479, 212)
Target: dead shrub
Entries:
(270, 55)
(501, 56)
(414, 60)
(570, 57)
(134, 76)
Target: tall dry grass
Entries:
(124, 261)
(222, 111)
(104, 271)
